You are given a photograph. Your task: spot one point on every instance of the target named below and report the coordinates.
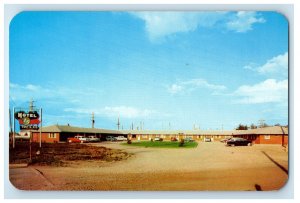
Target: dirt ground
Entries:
(210, 166)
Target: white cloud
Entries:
(161, 24)
(193, 84)
(251, 66)
(21, 93)
(203, 83)
(173, 89)
(278, 65)
(116, 111)
(126, 112)
(28, 87)
(267, 91)
(243, 21)
(32, 87)
(26, 92)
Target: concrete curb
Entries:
(11, 166)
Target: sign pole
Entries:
(30, 158)
(14, 128)
(41, 127)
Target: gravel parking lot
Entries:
(210, 166)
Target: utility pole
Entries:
(31, 106)
(261, 123)
(41, 119)
(10, 121)
(118, 123)
(14, 127)
(93, 120)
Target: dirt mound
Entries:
(62, 154)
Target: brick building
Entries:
(267, 135)
(60, 133)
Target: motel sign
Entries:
(28, 120)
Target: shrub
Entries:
(129, 142)
(181, 143)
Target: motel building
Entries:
(60, 133)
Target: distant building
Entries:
(267, 135)
(60, 133)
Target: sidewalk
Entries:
(22, 176)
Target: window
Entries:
(52, 135)
(267, 137)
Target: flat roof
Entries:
(272, 130)
(74, 129)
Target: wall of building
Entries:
(273, 139)
(256, 139)
(46, 137)
(167, 137)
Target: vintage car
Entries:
(237, 141)
(174, 139)
(82, 138)
(93, 138)
(189, 139)
(158, 139)
(111, 138)
(207, 139)
(121, 138)
(74, 140)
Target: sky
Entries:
(159, 70)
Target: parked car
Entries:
(189, 139)
(93, 138)
(207, 139)
(237, 141)
(121, 138)
(158, 139)
(82, 138)
(73, 140)
(174, 139)
(111, 138)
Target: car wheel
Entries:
(70, 141)
(249, 144)
(232, 145)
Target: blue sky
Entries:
(169, 70)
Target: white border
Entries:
(10, 10)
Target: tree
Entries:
(253, 126)
(264, 125)
(242, 127)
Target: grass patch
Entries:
(164, 144)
